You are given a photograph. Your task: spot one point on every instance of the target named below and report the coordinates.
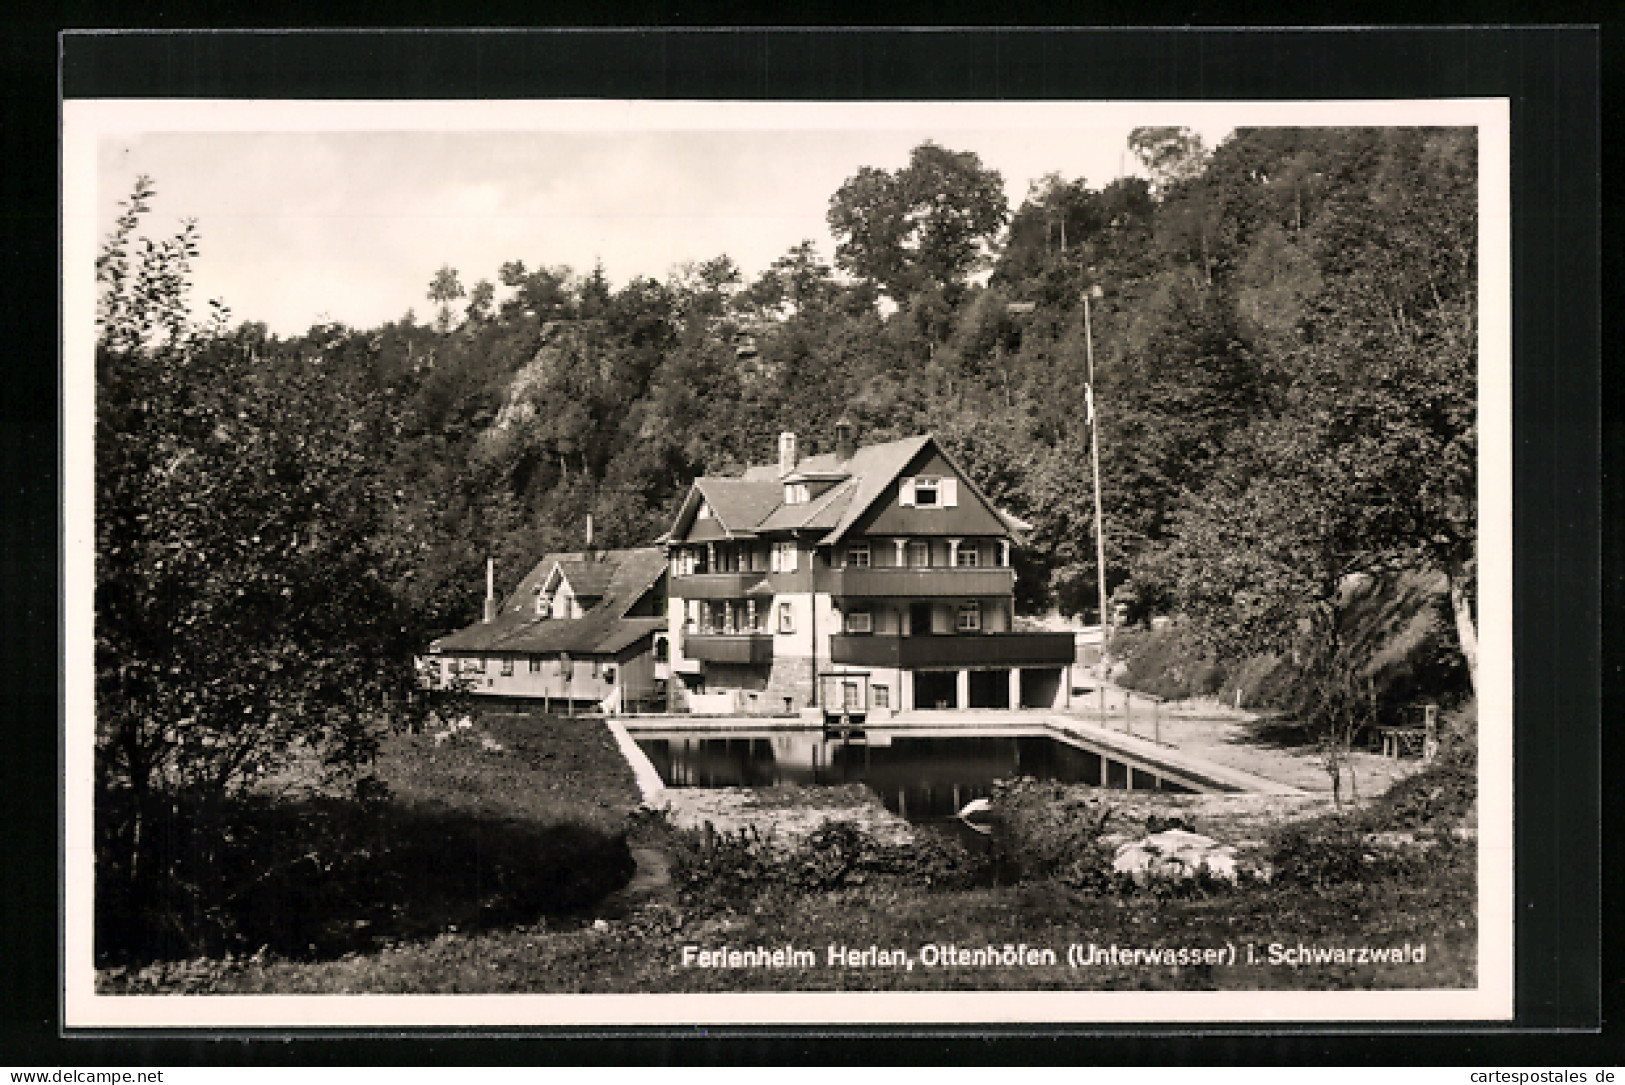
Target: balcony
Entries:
(729, 647)
(953, 650)
(715, 585)
(882, 582)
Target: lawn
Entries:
(1332, 888)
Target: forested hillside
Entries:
(1285, 353)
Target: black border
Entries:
(1552, 77)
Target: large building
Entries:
(582, 629)
(865, 580)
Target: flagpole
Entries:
(1094, 457)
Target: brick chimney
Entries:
(787, 453)
(844, 445)
(490, 590)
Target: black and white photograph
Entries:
(616, 562)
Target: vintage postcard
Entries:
(562, 563)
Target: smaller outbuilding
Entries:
(583, 630)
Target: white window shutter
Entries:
(773, 558)
(793, 552)
(905, 494)
(948, 490)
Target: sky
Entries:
(337, 213)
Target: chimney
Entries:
(844, 446)
(787, 453)
(490, 590)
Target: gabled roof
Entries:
(824, 511)
(619, 577)
(754, 501)
(588, 579)
(738, 504)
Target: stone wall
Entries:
(792, 677)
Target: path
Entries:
(1236, 739)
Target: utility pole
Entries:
(1094, 458)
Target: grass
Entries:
(1334, 887)
(644, 953)
(513, 820)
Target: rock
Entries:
(1175, 855)
(1400, 842)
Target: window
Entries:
(970, 617)
(795, 493)
(507, 667)
(785, 557)
(919, 553)
(705, 511)
(787, 621)
(928, 492)
(535, 665)
(478, 665)
(851, 696)
(858, 554)
(597, 668)
(609, 674)
(969, 556)
(860, 621)
(882, 697)
(753, 618)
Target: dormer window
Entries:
(924, 491)
(795, 493)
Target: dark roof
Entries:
(588, 579)
(755, 501)
(741, 504)
(619, 578)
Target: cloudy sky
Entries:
(343, 211)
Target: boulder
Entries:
(1175, 855)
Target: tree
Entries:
(932, 222)
(243, 613)
(443, 290)
(1171, 155)
(480, 301)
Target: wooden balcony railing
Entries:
(954, 650)
(880, 582)
(715, 585)
(729, 647)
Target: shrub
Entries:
(1045, 828)
(731, 869)
(1408, 833)
(325, 876)
(1171, 663)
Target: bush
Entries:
(1170, 663)
(325, 876)
(1045, 828)
(1439, 797)
(731, 869)
(1410, 832)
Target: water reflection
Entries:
(920, 778)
